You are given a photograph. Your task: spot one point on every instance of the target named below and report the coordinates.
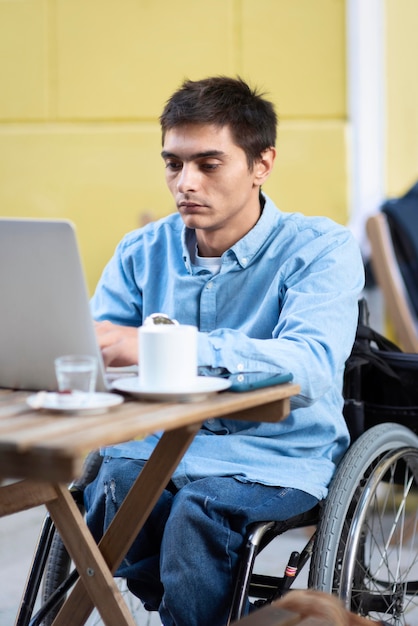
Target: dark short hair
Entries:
(224, 101)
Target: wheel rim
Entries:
(378, 572)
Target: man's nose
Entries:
(188, 178)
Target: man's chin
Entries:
(195, 221)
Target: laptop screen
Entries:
(44, 302)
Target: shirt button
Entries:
(211, 421)
(209, 286)
(244, 261)
(240, 367)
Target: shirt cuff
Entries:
(205, 353)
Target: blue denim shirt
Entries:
(285, 299)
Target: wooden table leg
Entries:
(91, 566)
(127, 523)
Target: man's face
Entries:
(209, 178)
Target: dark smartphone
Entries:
(248, 381)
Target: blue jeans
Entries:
(185, 559)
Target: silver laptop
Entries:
(44, 303)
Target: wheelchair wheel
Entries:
(366, 549)
(57, 571)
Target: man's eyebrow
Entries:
(197, 155)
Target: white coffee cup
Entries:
(167, 357)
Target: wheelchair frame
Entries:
(358, 547)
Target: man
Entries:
(269, 292)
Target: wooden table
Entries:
(45, 451)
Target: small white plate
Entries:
(74, 403)
(202, 387)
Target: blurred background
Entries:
(82, 83)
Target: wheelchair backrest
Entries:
(380, 381)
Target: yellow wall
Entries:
(83, 82)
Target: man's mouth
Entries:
(190, 206)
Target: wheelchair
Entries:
(364, 547)
(361, 542)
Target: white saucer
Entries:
(202, 387)
(74, 403)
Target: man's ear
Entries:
(263, 166)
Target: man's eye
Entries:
(209, 166)
(173, 166)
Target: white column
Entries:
(366, 110)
